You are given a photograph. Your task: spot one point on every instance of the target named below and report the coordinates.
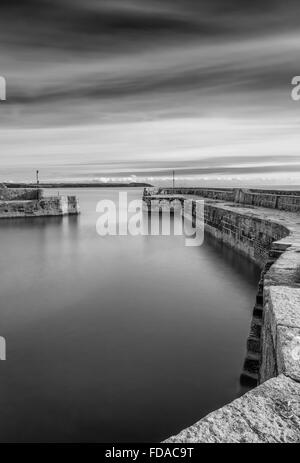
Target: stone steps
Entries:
(268, 265)
(249, 379)
(253, 344)
(258, 311)
(259, 299)
(250, 373)
(252, 363)
(256, 326)
(275, 253)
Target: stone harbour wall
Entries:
(73, 205)
(281, 325)
(270, 237)
(27, 202)
(274, 199)
(267, 414)
(44, 207)
(256, 237)
(251, 235)
(20, 194)
(212, 193)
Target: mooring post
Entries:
(37, 184)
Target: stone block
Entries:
(269, 413)
(285, 305)
(288, 352)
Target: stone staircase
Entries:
(250, 373)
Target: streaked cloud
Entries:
(182, 83)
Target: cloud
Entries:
(157, 75)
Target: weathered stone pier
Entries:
(31, 202)
(264, 225)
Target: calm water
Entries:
(118, 338)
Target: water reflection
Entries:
(116, 339)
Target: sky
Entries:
(132, 89)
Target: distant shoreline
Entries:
(78, 185)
